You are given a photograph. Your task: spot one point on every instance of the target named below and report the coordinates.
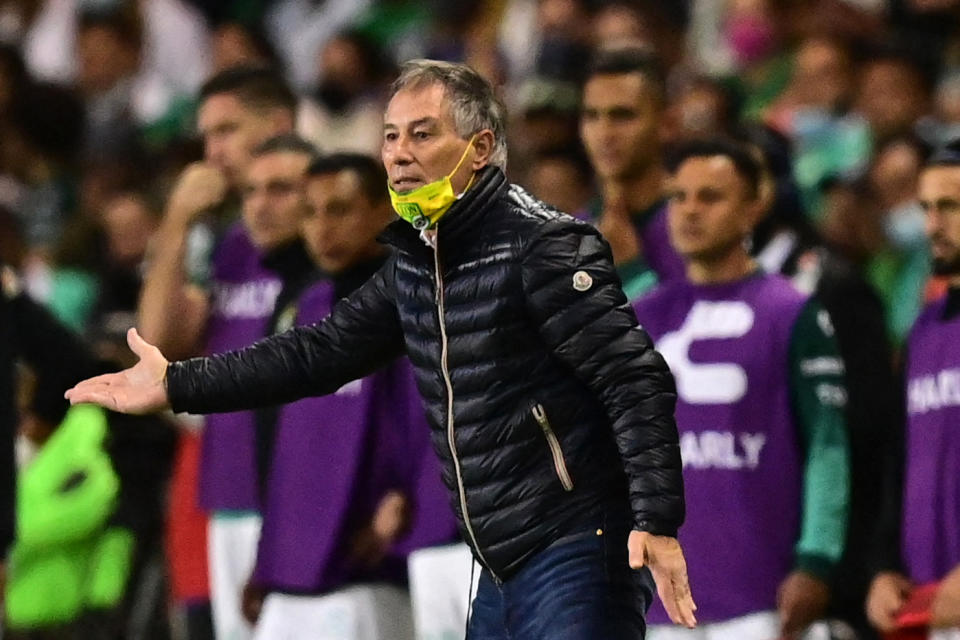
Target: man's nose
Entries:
(685, 210)
(258, 203)
(212, 152)
(606, 130)
(931, 223)
(399, 151)
(325, 236)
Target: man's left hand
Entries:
(251, 602)
(389, 522)
(664, 557)
(945, 611)
(801, 600)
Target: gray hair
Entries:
(473, 104)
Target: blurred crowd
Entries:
(118, 165)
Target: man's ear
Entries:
(483, 149)
(755, 210)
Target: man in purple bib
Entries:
(928, 525)
(207, 291)
(624, 99)
(352, 485)
(760, 412)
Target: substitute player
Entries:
(760, 412)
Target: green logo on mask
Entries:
(423, 206)
(408, 210)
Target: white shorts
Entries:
(756, 626)
(362, 612)
(440, 590)
(232, 550)
(764, 625)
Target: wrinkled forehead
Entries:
(418, 102)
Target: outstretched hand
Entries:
(664, 557)
(137, 390)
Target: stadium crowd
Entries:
(779, 185)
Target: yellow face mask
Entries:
(423, 206)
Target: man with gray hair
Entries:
(550, 410)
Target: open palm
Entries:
(664, 557)
(139, 389)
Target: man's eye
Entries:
(710, 197)
(390, 137)
(421, 135)
(622, 115)
(280, 189)
(338, 210)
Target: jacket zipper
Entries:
(451, 441)
(558, 462)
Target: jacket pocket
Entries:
(559, 464)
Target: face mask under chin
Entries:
(424, 206)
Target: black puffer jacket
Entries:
(547, 402)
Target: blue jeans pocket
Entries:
(579, 588)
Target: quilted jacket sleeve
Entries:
(575, 297)
(361, 334)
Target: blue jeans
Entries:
(581, 587)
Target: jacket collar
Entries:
(460, 223)
(346, 282)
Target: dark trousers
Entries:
(581, 587)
